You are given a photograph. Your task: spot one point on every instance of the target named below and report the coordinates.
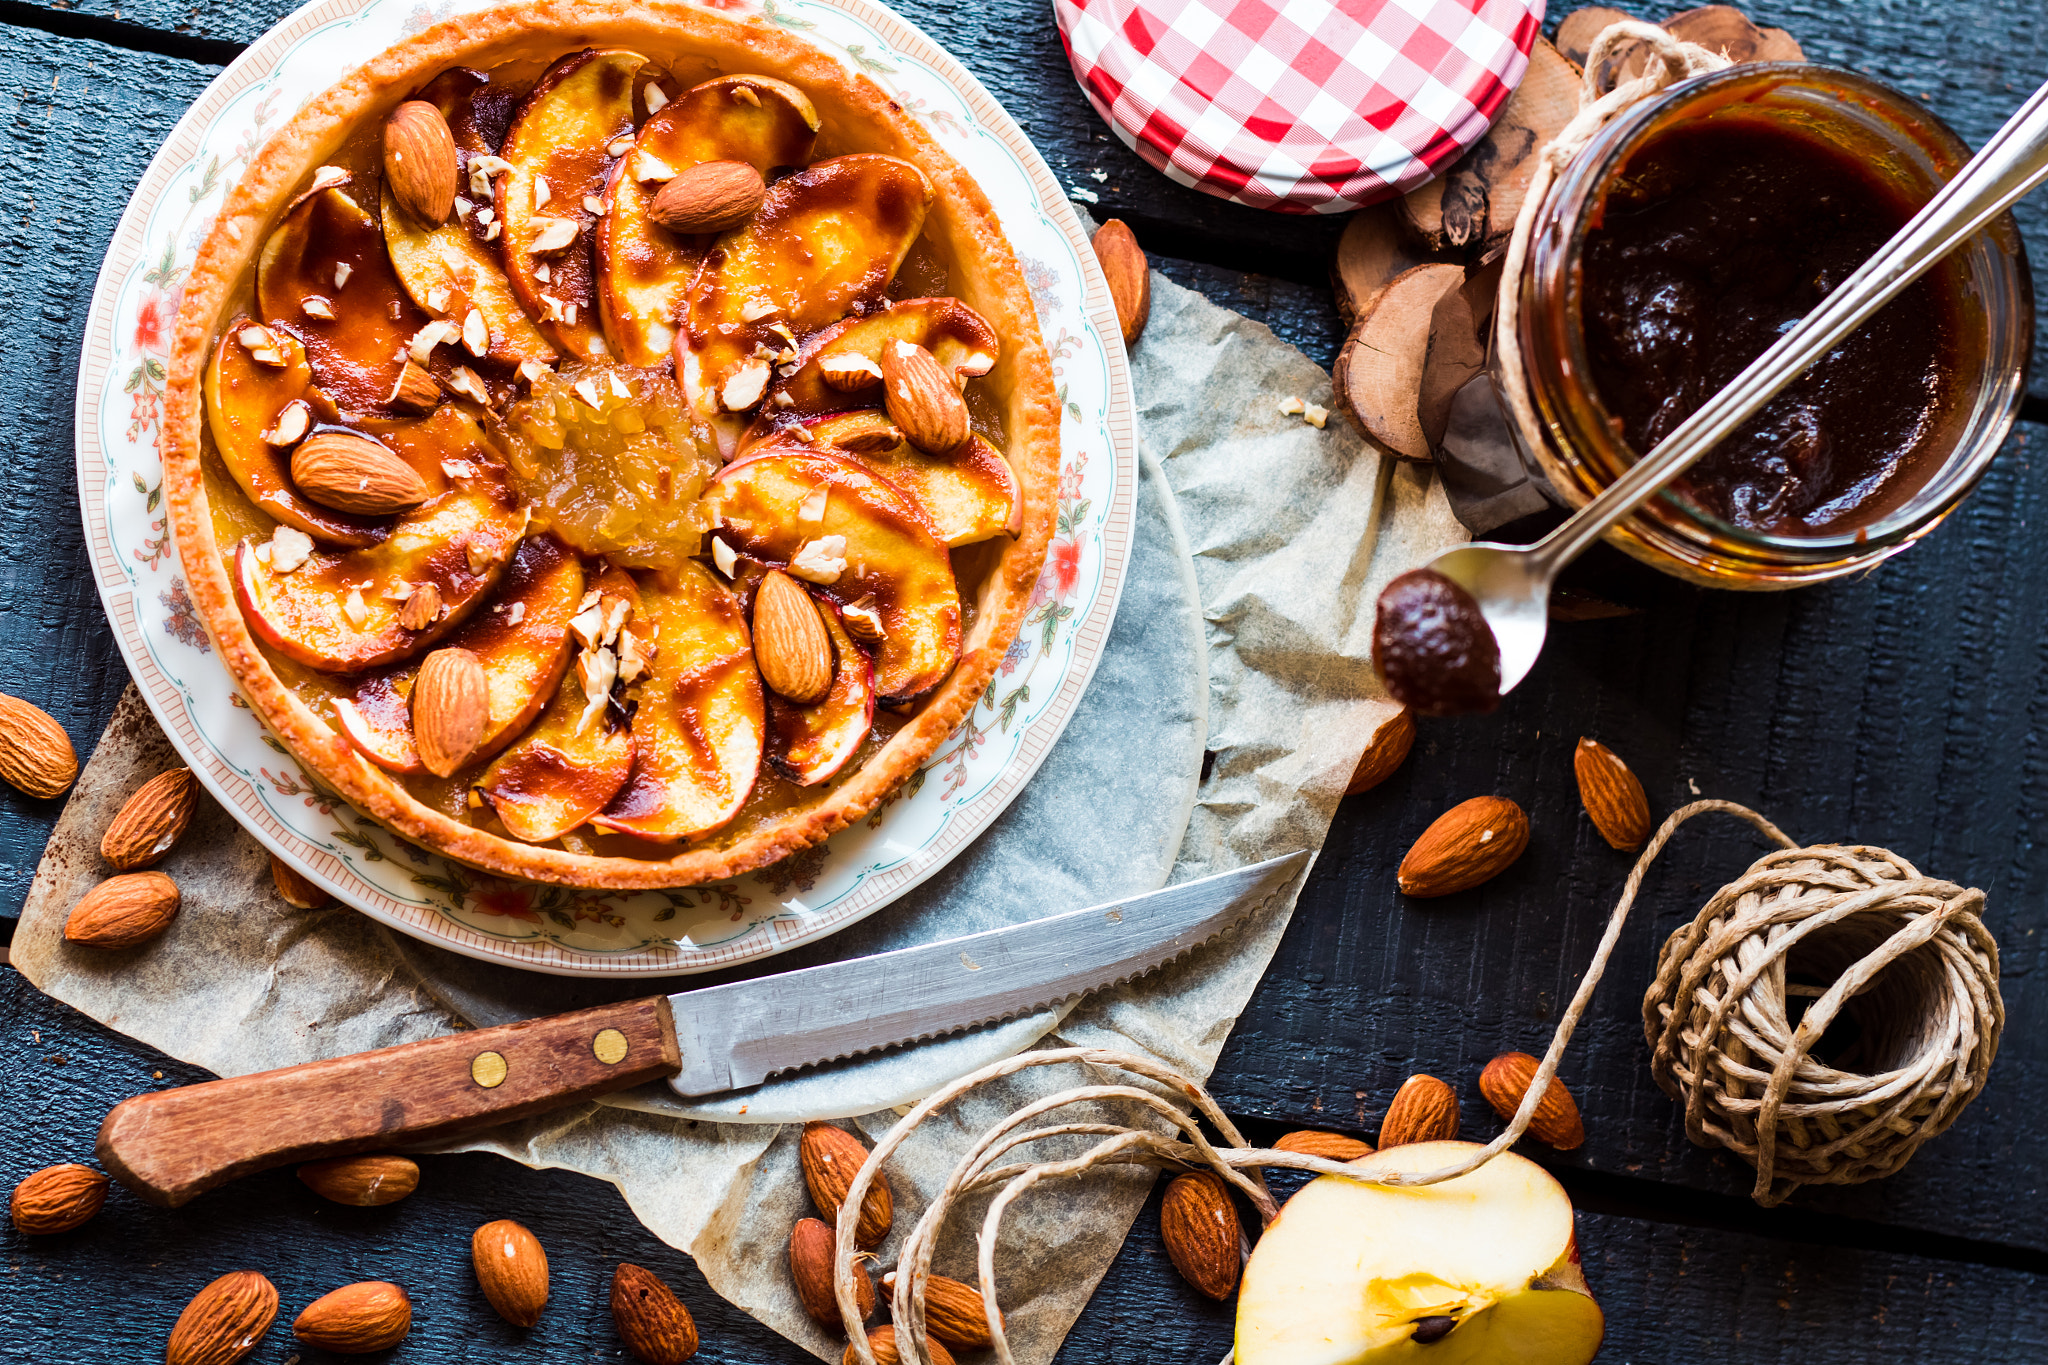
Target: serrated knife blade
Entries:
(736, 1036)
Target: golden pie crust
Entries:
(857, 116)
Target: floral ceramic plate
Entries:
(963, 787)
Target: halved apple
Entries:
(785, 507)
(809, 744)
(327, 256)
(559, 148)
(557, 776)
(332, 612)
(959, 338)
(522, 641)
(643, 269)
(1472, 1271)
(968, 496)
(824, 240)
(698, 730)
(243, 401)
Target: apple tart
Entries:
(611, 445)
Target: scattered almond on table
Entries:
(152, 821)
(362, 1182)
(953, 1312)
(123, 911)
(831, 1157)
(1471, 843)
(35, 754)
(810, 1266)
(1329, 1146)
(652, 1321)
(1424, 1110)
(1505, 1083)
(294, 889)
(1128, 274)
(1384, 753)
(57, 1199)
(356, 1319)
(512, 1269)
(1198, 1222)
(224, 1321)
(1613, 796)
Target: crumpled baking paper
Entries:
(1263, 543)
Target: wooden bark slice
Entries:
(1371, 254)
(1378, 376)
(1457, 347)
(1717, 28)
(1576, 34)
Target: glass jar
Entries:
(1577, 444)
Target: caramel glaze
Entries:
(1714, 239)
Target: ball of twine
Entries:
(1826, 1013)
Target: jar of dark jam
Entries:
(1681, 242)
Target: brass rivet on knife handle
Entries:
(610, 1047)
(488, 1069)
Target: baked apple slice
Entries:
(335, 612)
(810, 744)
(522, 641)
(643, 269)
(860, 543)
(842, 365)
(698, 729)
(971, 495)
(824, 240)
(561, 772)
(558, 149)
(246, 399)
(325, 277)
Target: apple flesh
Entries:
(892, 554)
(643, 269)
(1481, 1270)
(810, 744)
(968, 496)
(522, 641)
(358, 354)
(556, 777)
(698, 729)
(959, 338)
(824, 240)
(561, 134)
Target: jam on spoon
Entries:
(1434, 649)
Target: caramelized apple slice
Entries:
(332, 612)
(893, 560)
(968, 496)
(698, 729)
(808, 744)
(643, 269)
(958, 337)
(327, 257)
(522, 641)
(556, 777)
(559, 147)
(244, 398)
(824, 240)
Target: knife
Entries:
(171, 1145)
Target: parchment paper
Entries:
(1292, 532)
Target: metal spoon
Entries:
(1512, 583)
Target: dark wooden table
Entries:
(1905, 708)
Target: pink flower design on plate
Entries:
(496, 896)
(153, 321)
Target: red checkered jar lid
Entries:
(1305, 106)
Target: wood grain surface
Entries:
(1904, 708)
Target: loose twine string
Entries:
(1716, 1017)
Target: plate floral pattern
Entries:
(919, 827)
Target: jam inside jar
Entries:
(1681, 242)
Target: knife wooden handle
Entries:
(174, 1144)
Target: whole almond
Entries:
(422, 608)
(920, 398)
(1556, 1122)
(57, 1199)
(1424, 1110)
(35, 753)
(415, 391)
(352, 473)
(1128, 275)
(831, 1157)
(294, 889)
(451, 704)
(652, 1321)
(882, 1341)
(953, 1313)
(152, 820)
(512, 1269)
(1199, 1225)
(1329, 1146)
(1472, 842)
(362, 1182)
(356, 1318)
(419, 161)
(790, 644)
(1384, 753)
(1612, 795)
(124, 911)
(713, 196)
(810, 1266)
(224, 1321)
